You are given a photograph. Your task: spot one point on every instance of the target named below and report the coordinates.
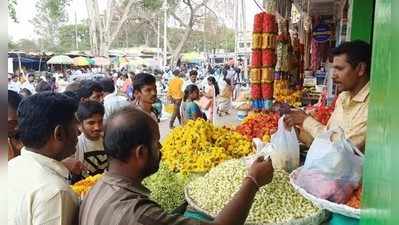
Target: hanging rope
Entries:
(259, 6)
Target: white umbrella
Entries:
(60, 59)
(101, 61)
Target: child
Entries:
(90, 158)
(190, 109)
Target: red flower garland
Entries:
(268, 58)
(269, 23)
(258, 21)
(256, 58)
(256, 91)
(267, 90)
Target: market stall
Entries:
(204, 164)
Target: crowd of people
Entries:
(58, 138)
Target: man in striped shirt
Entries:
(131, 141)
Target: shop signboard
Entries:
(322, 33)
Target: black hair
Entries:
(88, 109)
(87, 88)
(356, 52)
(193, 72)
(189, 89)
(72, 95)
(176, 72)
(39, 114)
(14, 99)
(132, 75)
(26, 91)
(143, 79)
(125, 129)
(215, 85)
(42, 86)
(108, 85)
(228, 81)
(74, 87)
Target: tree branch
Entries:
(181, 22)
(121, 21)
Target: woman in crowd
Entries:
(189, 109)
(211, 94)
(224, 100)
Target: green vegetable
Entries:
(274, 203)
(167, 188)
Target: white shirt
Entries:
(112, 103)
(189, 82)
(119, 83)
(29, 86)
(38, 192)
(91, 154)
(77, 73)
(14, 86)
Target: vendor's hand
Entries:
(74, 166)
(295, 118)
(262, 171)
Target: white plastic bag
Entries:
(262, 149)
(286, 148)
(332, 170)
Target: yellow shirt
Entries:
(350, 114)
(175, 88)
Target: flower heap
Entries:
(259, 125)
(82, 187)
(198, 146)
(263, 60)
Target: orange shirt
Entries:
(175, 88)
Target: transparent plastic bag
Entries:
(332, 170)
(286, 148)
(262, 149)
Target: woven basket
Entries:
(322, 203)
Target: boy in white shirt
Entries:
(90, 158)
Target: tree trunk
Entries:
(176, 53)
(92, 26)
(118, 27)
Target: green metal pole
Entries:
(380, 200)
(360, 19)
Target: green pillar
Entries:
(360, 19)
(380, 201)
